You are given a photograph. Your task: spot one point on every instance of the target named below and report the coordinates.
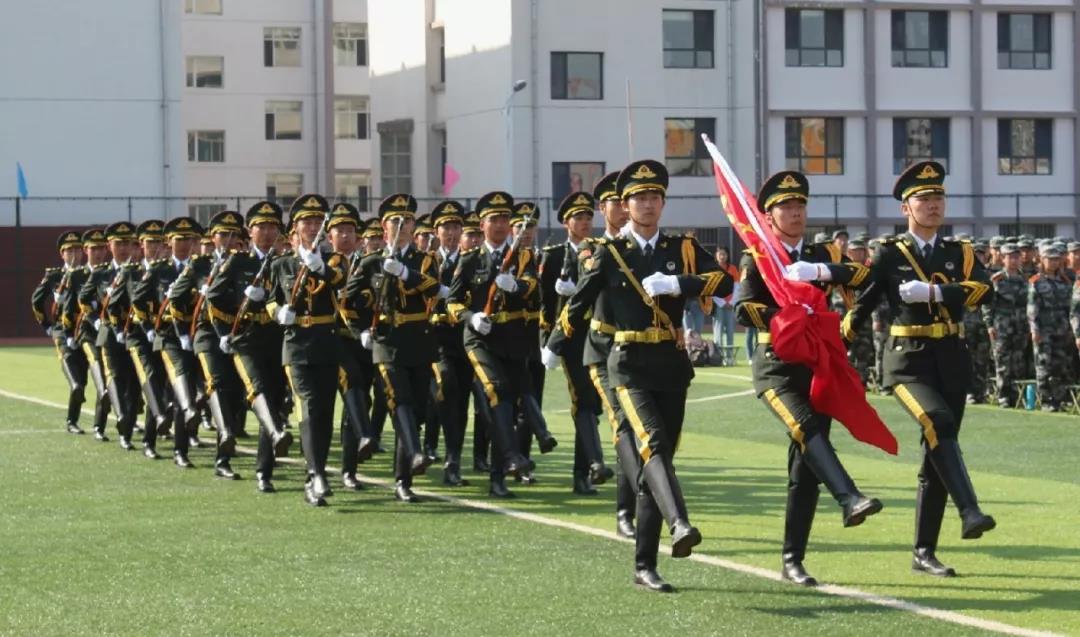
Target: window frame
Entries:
(793, 37)
(363, 194)
(195, 142)
(391, 182)
(272, 188)
(937, 125)
(934, 31)
(192, 7)
(801, 159)
(274, 108)
(275, 36)
(358, 42)
(191, 77)
(1042, 137)
(564, 74)
(699, 18)
(561, 168)
(362, 121)
(1005, 41)
(700, 161)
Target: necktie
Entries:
(496, 257)
(927, 250)
(648, 251)
(794, 254)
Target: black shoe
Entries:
(796, 574)
(860, 508)
(72, 428)
(282, 442)
(224, 470)
(497, 489)
(137, 428)
(527, 479)
(207, 426)
(349, 481)
(975, 523)
(365, 449)
(163, 428)
(624, 523)
(432, 455)
(420, 464)
(100, 436)
(241, 434)
(313, 498)
(452, 476)
(403, 493)
(519, 466)
(379, 448)
(125, 443)
(649, 579)
(181, 460)
(320, 485)
(924, 561)
(194, 441)
(547, 444)
(263, 485)
(683, 539)
(150, 453)
(583, 486)
(481, 465)
(599, 473)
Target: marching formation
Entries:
(410, 318)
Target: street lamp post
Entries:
(514, 89)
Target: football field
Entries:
(100, 541)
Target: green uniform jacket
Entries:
(313, 339)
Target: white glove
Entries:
(204, 289)
(120, 338)
(70, 342)
(48, 331)
(169, 290)
(480, 323)
(150, 336)
(549, 358)
(256, 294)
(109, 291)
(393, 267)
(365, 339)
(97, 324)
(312, 259)
(565, 287)
(185, 343)
(444, 292)
(225, 345)
(286, 315)
(718, 301)
(658, 284)
(918, 292)
(56, 296)
(805, 271)
(506, 283)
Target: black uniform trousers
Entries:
(404, 386)
(258, 363)
(181, 367)
(75, 367)
(584, 400)
(453, 378)
(353, 376)
(220, 378)
(503, 380)
(314, 387)
(151, 374)
(627, 460)
(95, 367)
(120, 370)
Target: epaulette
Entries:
(199, 257)
(469, 251)
(891, 239)
(101, 266)
(549, 248)
(955, 240)
(52, 270)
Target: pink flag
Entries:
(450, 179)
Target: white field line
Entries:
(746, 569)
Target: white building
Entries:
(447, 97)
(275, 101)
(854, 91)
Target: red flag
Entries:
(804, 331)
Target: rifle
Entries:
(260, 276)
(64, 280)
(504, 267)
(117, 280)
(384, 287)
(304, 273)
(218, 263)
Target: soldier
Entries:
(1048, 307)
(558, 282)
(424, 234)
(354, 381)
(398, 286)
(303, 300)
(78, 324)
(861, 350)
(251, 337)
(879, 328)
(472, 237)
(1029, 260)
(189, 329)
(997, 260)
(104, 296)
(978, 341)
(928, 282)
(1006, 319)
(649, 276)
(1074, 257)
(785, 388)
(840, 241)
(490, 293)
(453, 374)
(56, 284)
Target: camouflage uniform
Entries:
(978, 341)
(1007, 315)
(1049, 300)
(860, 352)
(880, 327)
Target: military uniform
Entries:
(77, 323)
(928, 286)
(47, 302)
(648, 281)
(303, 299)
(1049, 302)
(373, 231)
(784, 388)
(1006, 314)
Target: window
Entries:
(1023, 40)
(815, 145)
(684, 152)
(205, 71)
(206, 145)
(350, 118)
(202, 212)
(354, 188)
(814, 37)
(281, 46)
(284, 187)
(577, 76)
(283, 120)
(571, 176)
(688, 39)
(1034, 229)
(211, 7)
(442, 157)
(350, 44)
(395, 159)
(1025, 146)
(919, 139)
(442, 55)
(920, 39)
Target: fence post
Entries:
(836, 210)
(1016, 199)
(130, 220)
(19, 319)
(238, 210)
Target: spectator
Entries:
(723, 314)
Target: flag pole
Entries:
(629, 125)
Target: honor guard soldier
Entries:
(472, 237)
(190, 330)
(236, 302)
(453, 374)
(374, 241)
(490, 294)
(424, 234)
(929, 282)
(649, 275)
(784, 387)
(598, 347)
(558, 282)
(150, 301)
(104, 296)
(354, 382)
(303, 300)
(78, 324)
(47, 301)
(397, 288)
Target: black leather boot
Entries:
(404, 421)
(534, 418)
(822, 459)
(223, 423)
(949, 463)
(660, 476)
(802, 499)
(268, 420)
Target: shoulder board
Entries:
(550, 248)
(200, 257)
(52, 270)
(470, 251)
(891, 240)
(954, 240)
(334, 259)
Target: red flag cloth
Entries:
(805, 331)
